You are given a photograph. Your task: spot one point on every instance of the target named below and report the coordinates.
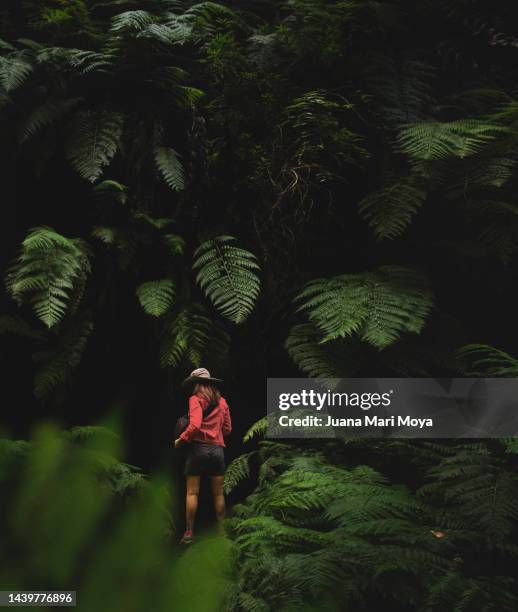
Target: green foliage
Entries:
(156, 297)
(391, 210)
(44, 116)
(379, 306)
(315, 359)
(316, 531)
(237, 471)
(433, 140)
(14, 71)
(191, 336)
(75, 512)
(47, 272)
(58, 363)
(228, 276)
(169, 165)
(93, 142)
(484, 360)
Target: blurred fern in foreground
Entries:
(74, 517)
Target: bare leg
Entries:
(219, 498)
(191, 500)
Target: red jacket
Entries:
(213, 427)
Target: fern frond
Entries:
(191, 335)
(485, 360)
(47, 271)
(170, 167)
(14, 71)
(175, 243)
(257, 429)
(227, 275)
(303, 345)
(237, 471)
(379, 306)
(58, 364)
(109, 189)
(156, 297)
(132, 21)
(158, 223)
(403, 88)
(390, 210)
(433, 140)
(45, 115)
(93, 142)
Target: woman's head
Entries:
(208, 392)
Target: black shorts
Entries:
(204, 460)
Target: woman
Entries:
(209, 422)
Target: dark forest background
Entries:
(273, 189)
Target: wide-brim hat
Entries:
(201, 375)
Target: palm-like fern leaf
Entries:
(433, 140)
(170, 167)
(46, 115)
(191, 335)
(227, 275)
(93, 142)
(132, 21)
(14, 71)
(237, 471)
(484, 360)
(57, 364)
(390, 210)
(47, 271)
(156, 297)
(315, 359)
(257, 429)
(378, 305)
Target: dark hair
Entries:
(208, 392)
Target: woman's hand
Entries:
(178, 442)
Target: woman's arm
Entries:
(227, 421)
(195, 419)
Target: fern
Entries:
(433, 140)
(175, 243)
(93, 142)
(257, 429)
(390, 210)
(45, 115)
(317, 360)
(227, 275)
(484, 360)
(14, 71)
(403, 88)
(477, 492)
(132, 21)
(237, 471)
(192, 336)
(156, 297)
(170, 167)
(47, 271)
(379, 306)
(109, 189)
(59, 363)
